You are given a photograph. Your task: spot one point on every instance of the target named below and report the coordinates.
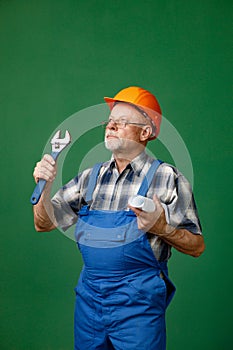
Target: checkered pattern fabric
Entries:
(113, 190)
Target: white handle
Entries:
(147, 204)
(144, 203)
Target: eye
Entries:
(122, 121)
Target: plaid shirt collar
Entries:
(136, 164)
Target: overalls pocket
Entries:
(151, 288)
(102, 251)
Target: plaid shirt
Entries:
(113, 190)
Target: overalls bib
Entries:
(123, 291)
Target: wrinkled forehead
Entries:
(125, 110)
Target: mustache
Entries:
(110, 133)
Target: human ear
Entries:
(145, 133)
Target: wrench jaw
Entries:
(59, 144)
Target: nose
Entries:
(111, 125)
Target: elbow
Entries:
(200, 248)
(40, 228)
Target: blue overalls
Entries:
(123, 291)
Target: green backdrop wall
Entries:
(58, 57)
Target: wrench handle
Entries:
(38, 191)
(40, 185)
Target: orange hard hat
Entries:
(144, 101)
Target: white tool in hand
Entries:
(144, 203)
(147, 204)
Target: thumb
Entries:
(156, 200)
(158, 206)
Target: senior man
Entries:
(124, 289)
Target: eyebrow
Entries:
(121, 117)
(124, 117)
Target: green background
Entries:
(58, 57)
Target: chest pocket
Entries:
(117, 234)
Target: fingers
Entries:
(49, 159)
(45, 169)
(148, 220)
(156, 201)
(135, 210)
(158, 206)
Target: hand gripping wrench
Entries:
(58, 145)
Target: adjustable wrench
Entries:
(58, 145)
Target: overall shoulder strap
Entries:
(149, 177)
(92, 181)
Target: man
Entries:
(124, 288)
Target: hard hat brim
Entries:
(110, 101)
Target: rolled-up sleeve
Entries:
(64, 215)
(68, 201)
(183, 209)
(176, 194)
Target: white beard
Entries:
(114, 144)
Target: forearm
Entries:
(181, 239)
(44, 219)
